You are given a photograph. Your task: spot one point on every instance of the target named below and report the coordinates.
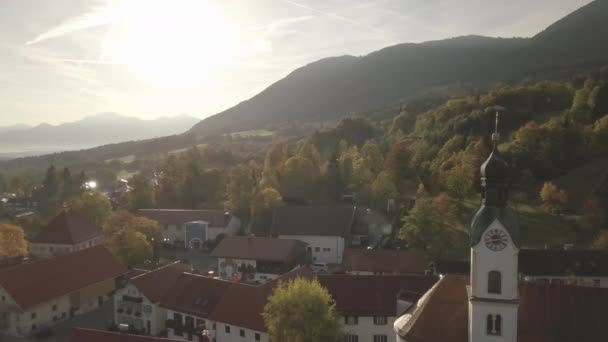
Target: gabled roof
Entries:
(305, 220)
(195, 294)
(89, 335)
(260, 248)
(68, 227)
(563, 262)
(547, 313)
(373, 295)
(40, 281)
(223, 301)
(156, 283)
(215, 218)
(387, 261)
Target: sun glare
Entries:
(172, 43)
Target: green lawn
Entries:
(252, 133)
(537, 228)
(580, 182)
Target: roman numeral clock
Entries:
(495, 239)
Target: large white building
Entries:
(326, 230)
(368, 305)
(46, 292)
(192, 228)
(254, 259)
(137, 304)
(67, 232)
(226, 311)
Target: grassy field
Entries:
(580, 182)
(537, 228)
(252, 133)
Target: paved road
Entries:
(201, 261)
(97, 319)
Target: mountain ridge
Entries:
(333, 87)
(95, 130)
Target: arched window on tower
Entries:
(494, 325)
(494, 282)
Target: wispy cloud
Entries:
(335, 16)
(101, 15)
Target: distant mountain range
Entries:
(334, 87)
(99, 129)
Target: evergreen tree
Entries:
(68, 187)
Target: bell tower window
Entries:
(494, 282)
(494, 325)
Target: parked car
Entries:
(43, 333)
(319, 267)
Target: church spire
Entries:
(495, 176)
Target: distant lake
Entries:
(9, 151)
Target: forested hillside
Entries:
(334, 87)
(554, 134)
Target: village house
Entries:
(137, 304)
(368, 261)
(368, 305)
(90, 335)
(259, 258)
(42, 293)
(67, 232)
(192, 228)
(326, 230)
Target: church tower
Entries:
(493, 293)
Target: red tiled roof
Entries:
(215, 218)
(260, 248)
(369, 295)
(305, 220)
(223, 301)
(68, 227)
(156, 283)
(547, 313)
(195, 294)
(89, 335)
(387, 261)
(38, 282)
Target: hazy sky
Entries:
(61, 60)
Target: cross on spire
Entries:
(495, 135)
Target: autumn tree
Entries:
(334, 184)
(266, 198)
(142, 194)
(132, 238)
(240, 190)
(398, 161)
(92, 204)
(601, 242)
(299, 177)
(383, 189)
(301, 311)
(553, 199)
(12, 241)
(432, 226)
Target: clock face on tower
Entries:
(495, 239)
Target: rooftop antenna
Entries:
(495, 135)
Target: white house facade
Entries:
(327, 249)
(67, 232)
